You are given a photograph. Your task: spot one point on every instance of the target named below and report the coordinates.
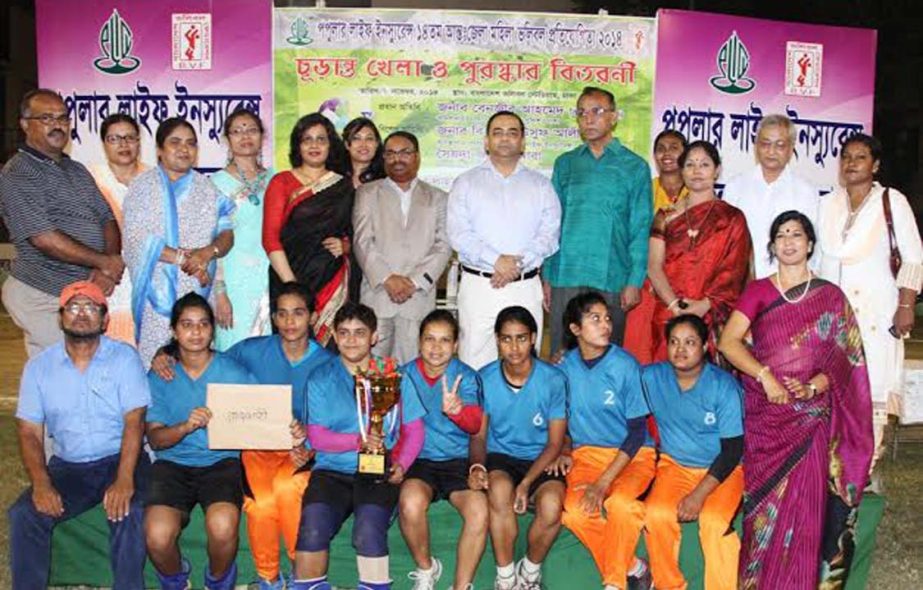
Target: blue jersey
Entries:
(519, 420)
(444, 439)
(692, 423)
(263, 356)
(603, 398)
(332, 404)
(172, 401)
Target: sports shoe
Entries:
(644, 581)
(277, 584)
(505, 583)
(527, 581)
(426, 580)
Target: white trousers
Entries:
(478, 306)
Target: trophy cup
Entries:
(377, 393)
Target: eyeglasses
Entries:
(117, 139)
(592, 112)
(322, 140)
(49, 119)
(238, 131)
(399, 154)
(87, 308)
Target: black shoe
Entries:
(642, 582)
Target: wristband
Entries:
(180, 257)
(905, 305)
(478, 466)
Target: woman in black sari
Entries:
(307, 222)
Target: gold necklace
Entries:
(693, 232)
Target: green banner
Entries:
(441, 74)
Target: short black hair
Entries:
(784, 218)
(588, 90)
(168, 126)
(440, 316)
(188, 301)
(25, 105)
(689, 319)
(241, 112)
(117, 118)
(337, 158)
(356, 311)
(869, 141)
(706, 146)
(573, 313)
(518, 314)
(293, 288)
(376, 168)
(406, 135)
(670, 133)
(522, 126)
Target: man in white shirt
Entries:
(504, 219)
(771, 188)
(400, 243)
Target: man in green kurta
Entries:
(605, 193)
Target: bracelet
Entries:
(216, 253)
(759, 376)
(180, 257)
(672, 303)
(220, 287)
(905, 305)
(476, 465)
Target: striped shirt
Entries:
(39, 195)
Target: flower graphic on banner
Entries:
(115, 41)
(733, 61)
(300, 33)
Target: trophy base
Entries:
(373, 467)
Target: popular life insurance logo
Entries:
(115, 41)
(733, 61)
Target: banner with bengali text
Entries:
(197, 59)
(441, 74)
(718, 75)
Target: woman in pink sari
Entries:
(807, 420)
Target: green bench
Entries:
(80, 553)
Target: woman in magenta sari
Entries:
(699, 254)
(307, 222)
(807, 420)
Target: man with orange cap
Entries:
(91, 394)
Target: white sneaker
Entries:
(426, 580)
(505, 583)
(527, 581)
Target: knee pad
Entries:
(318, 526)
(370, 530)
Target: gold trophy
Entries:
(377, 393)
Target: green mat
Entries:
(80, 553)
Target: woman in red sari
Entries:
(307, 222)
(668, 188)
(699, 251)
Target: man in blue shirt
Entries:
(605, 192)
(525, 421)
(186, 471)
(91, 394)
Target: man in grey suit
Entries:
(400, 243)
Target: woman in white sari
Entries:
(176, 225)
(857, 246)
(122, 145)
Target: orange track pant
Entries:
(274, 509)
(720, 545)
(613, 537)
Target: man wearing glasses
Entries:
(504, 220)
(400, 242)
(605, 192)
(61, 226)
(91, 393)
